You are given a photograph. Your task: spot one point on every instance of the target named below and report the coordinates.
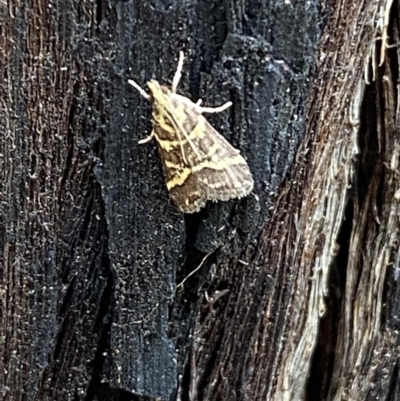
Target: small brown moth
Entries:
(199, 163)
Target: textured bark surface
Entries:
(109, 293)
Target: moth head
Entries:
(157, 92)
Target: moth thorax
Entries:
(158, 93)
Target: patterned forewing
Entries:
(199, 163)
(223, 174)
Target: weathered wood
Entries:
(109, 293)
(342, 219)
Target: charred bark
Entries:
(109, 293)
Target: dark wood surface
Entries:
(109, 293)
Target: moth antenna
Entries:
(214, 109)
(179, 129)
(178, 126)
(137, 87)
(178, 73)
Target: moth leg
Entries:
(198, 103)
(178, 73)
(214, 109)
(137, 87)
(147, 139)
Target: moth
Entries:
(199, 163)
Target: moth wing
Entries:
(223, 173)
(215, 169)
(199, 163)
